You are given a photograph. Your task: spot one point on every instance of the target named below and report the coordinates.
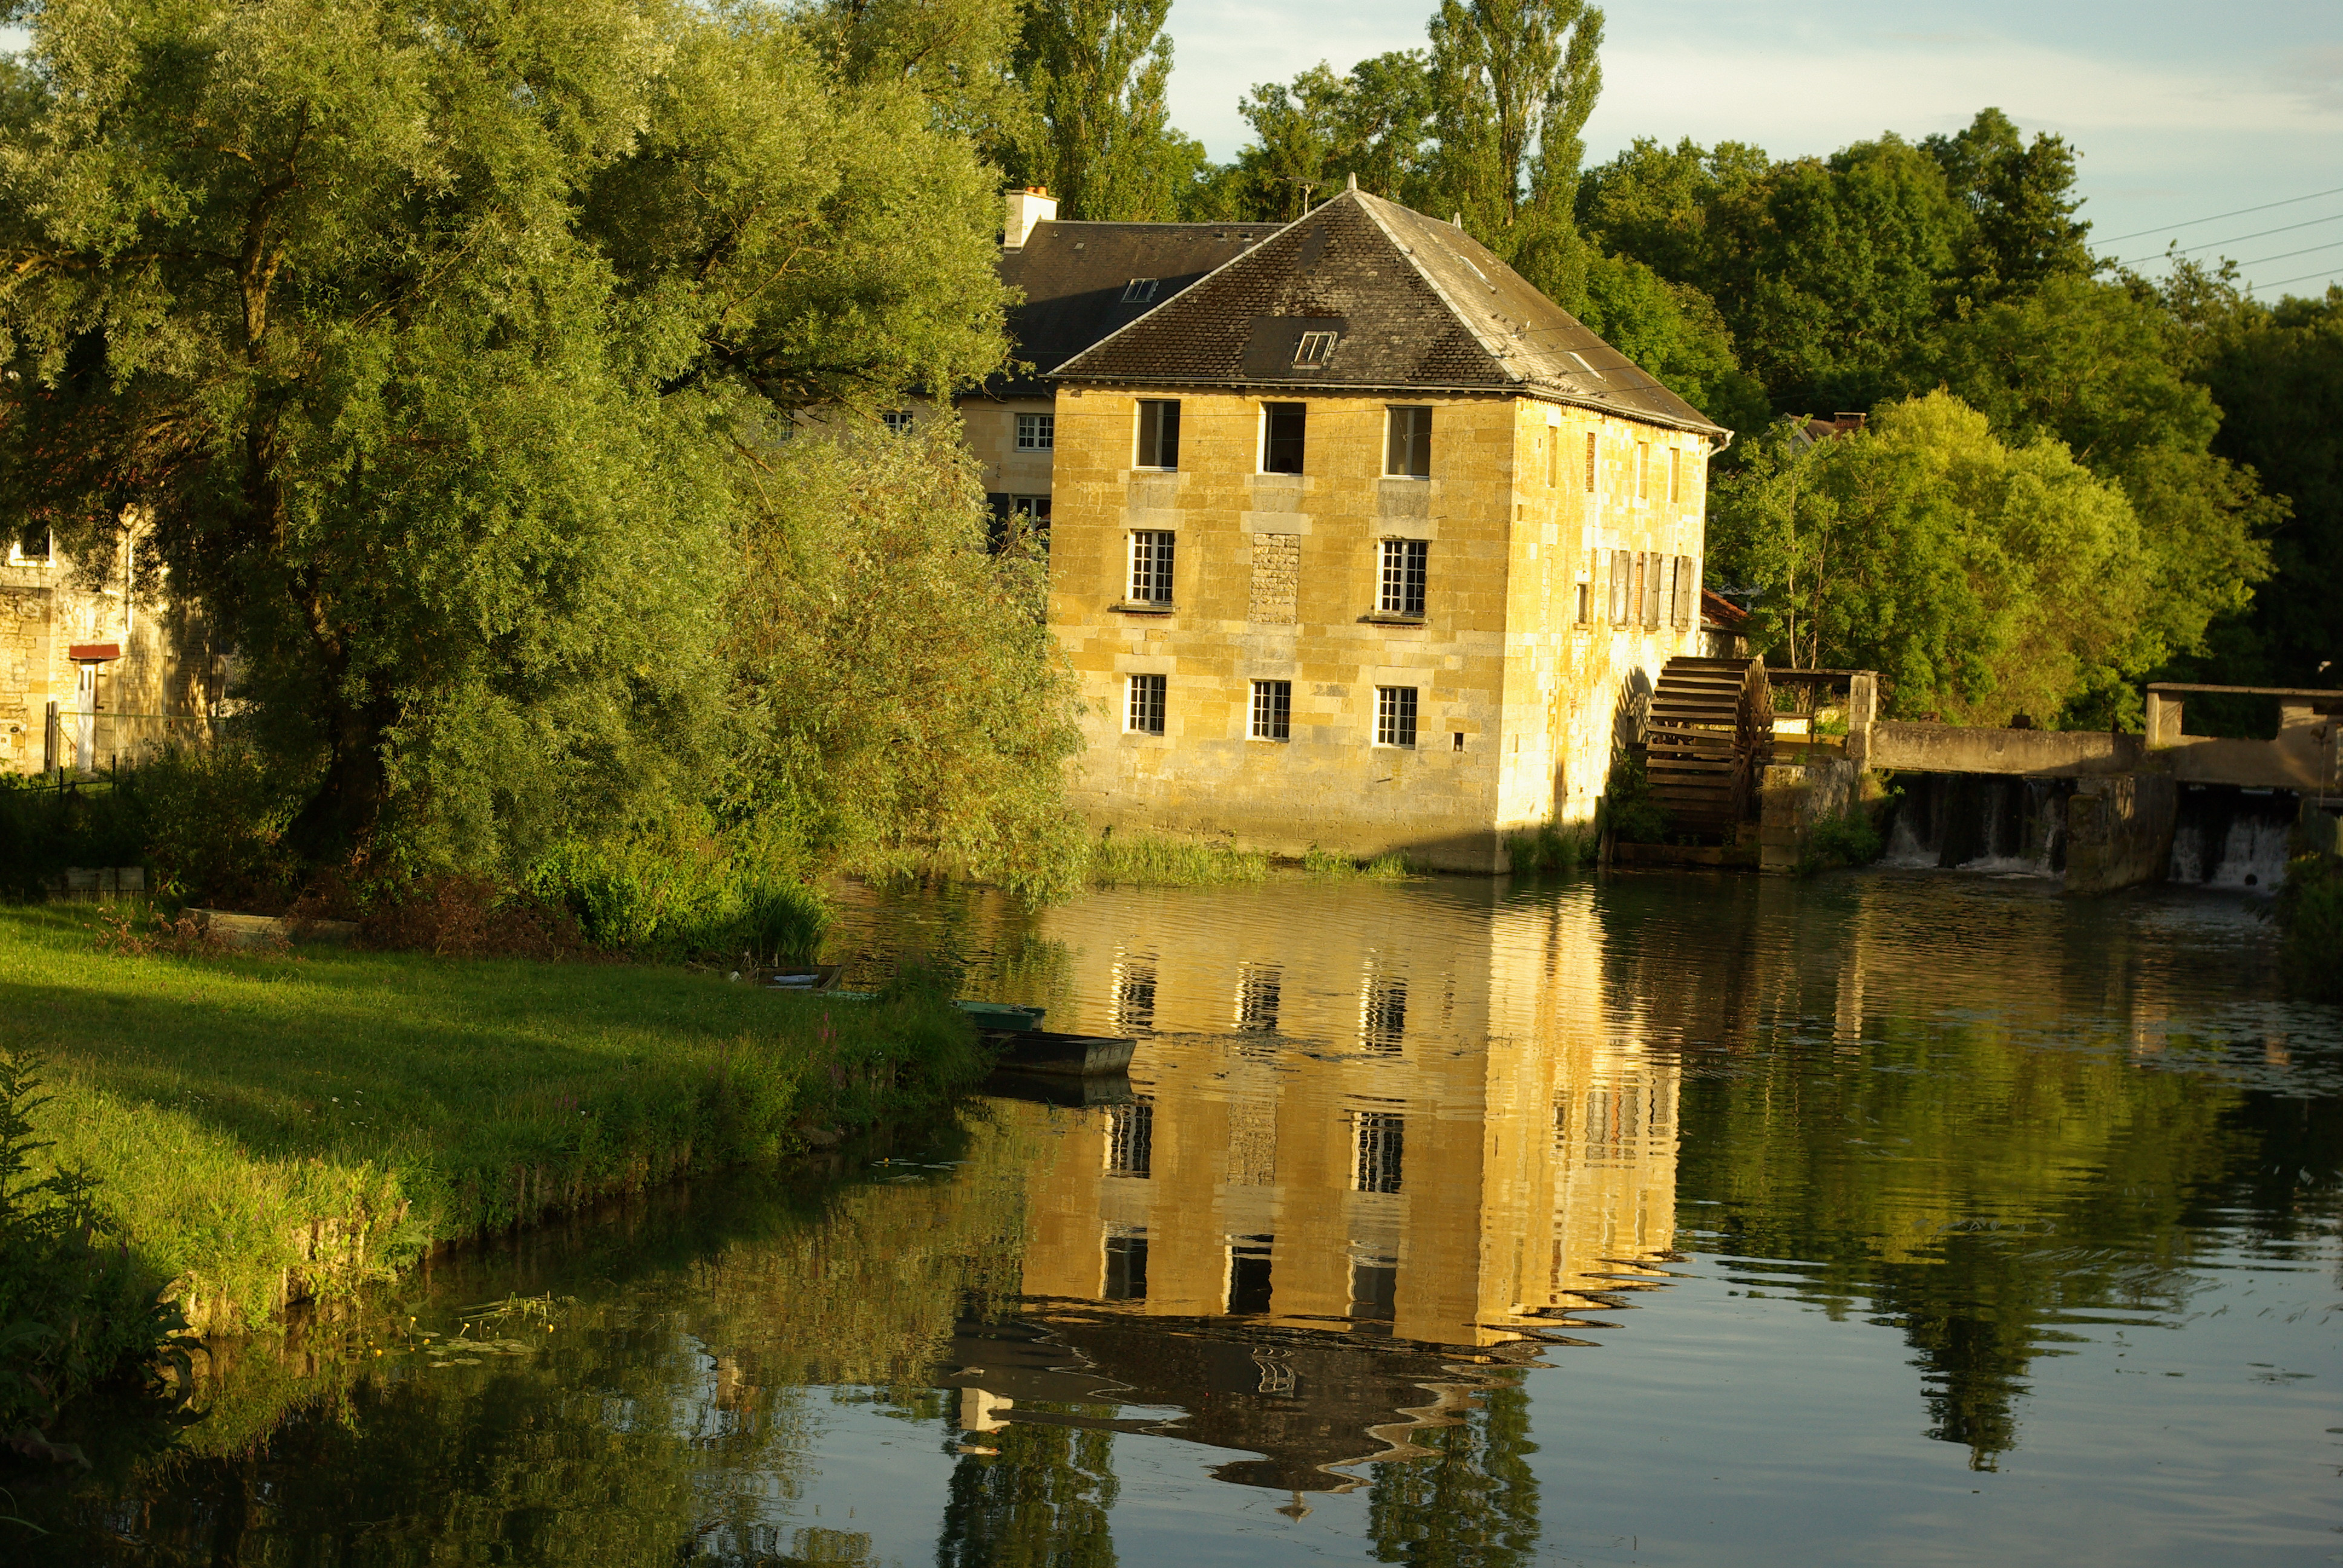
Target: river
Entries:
(1880, 1217)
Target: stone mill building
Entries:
(1357, 540)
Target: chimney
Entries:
(1027, 208)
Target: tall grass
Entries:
(266, 1127)
(1127, 860)
(1388, 868)
(1554, 846)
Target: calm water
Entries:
(1880, 1219)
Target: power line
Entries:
(2291, 254)
(2306, 277)
(2257, 233)
(2192, 223)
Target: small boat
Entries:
(1062, 1055)
(1001, 1015)
(811, 977)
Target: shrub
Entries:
(1849, 839)
(2310, 914)
(1554, 846)
(1628, 808)
(724, 896)
(74, 1307)
(47, 824)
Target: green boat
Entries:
(1001, 1014)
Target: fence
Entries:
(114, 738)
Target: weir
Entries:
(2099, 811)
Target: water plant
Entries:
(1554, 846)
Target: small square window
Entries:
(1140, 291)
(1400, 591)
(1314, 350)
(1159, 433)
(1272, 710)
(1152, 551)
(1036, 432)
(1282, 426)
(899, 421)
(1395, 716)
(1145, 715)
(1410, 451)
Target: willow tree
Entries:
(433, 340)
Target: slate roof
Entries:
(1074, 277)
(1418, 305)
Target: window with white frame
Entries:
(1151, 565)
(1399, 588)
(899, 421)
(1282, 426)
(1395, 716)
(1144, 715)
(1272, 710)
(1314, 349)
(1159, 433)
(1408, 453)
(1036, 432)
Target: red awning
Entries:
(96, 652)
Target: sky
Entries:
(2182, 112)
(2185, 114)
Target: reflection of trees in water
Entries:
(1975, 1191)
(1473, 1503)
(1041, 1501)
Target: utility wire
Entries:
(2306, 277)
(2257, 233)
(2192, 223)
(2291, 254)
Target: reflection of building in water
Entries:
(1418, 1123)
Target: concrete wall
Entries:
(1275, 578)
(2119, 831)
(1793, 799)
(2029, 753)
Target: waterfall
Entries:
(2232, 838)
(1980, 822)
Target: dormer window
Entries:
(1316, 348)
(1140, 291)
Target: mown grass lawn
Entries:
(267, 1125)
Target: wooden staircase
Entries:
(1709, 736)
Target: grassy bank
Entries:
(271, 1126)
(1137, 860)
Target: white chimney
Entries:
(1028, 208)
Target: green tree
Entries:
(1474, 1503)
(2021, 202)
(425, 336)
(2103, 368)
(1097, 71)
(1982, 580)
(904, 704)
(2276, 374)
(1511, 84)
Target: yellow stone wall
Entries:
(991, 432)
(1498, 660)
(46, 606)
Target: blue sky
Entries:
(2182, 111)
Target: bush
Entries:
(1554, 846)
(1850, 839)
(47, 824)
(1145, 862)
(1628, 809)
(721, 898)
(72, 1308)
(2310, 914)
